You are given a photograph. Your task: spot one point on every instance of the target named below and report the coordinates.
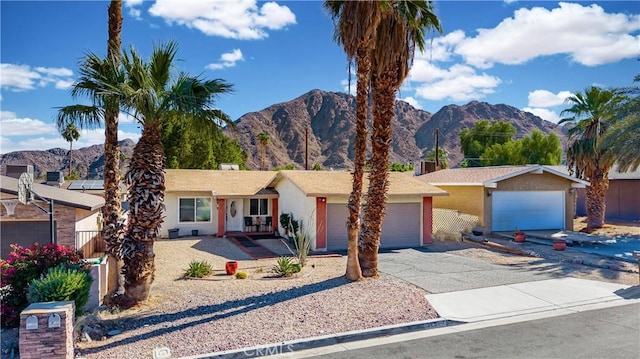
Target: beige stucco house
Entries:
(215, 202)
(504, 198)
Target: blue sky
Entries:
(527, 54)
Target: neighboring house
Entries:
(504, 198)
(217, 202)
(214, 202)
(73, 212)
(319, 200)
(623, 195)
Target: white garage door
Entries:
(527, 210)
(400, 228)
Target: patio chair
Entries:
(268, 223)
(248, 222)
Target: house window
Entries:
(195, 209)
(258, 206)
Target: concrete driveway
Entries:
(439, 272)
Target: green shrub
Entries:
(297, 267)
(62, 284)
(242, 275)
(198, 269)
(284, 268)
(23, 266)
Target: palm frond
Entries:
(83, 116)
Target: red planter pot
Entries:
(231, 267)
(559, 244)
(519, 237)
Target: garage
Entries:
(527, 210)
(400, 228)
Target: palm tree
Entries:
(263, 138)
(151, 94)
(401, 29)
(356, 23)
(94, 72)
(70, 134)
(592, 114)
(623, 142)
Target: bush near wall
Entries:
(22, 267)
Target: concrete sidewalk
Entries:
(530, 297)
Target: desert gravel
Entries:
(220, 313)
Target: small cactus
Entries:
(242, 275)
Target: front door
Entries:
(235, 220)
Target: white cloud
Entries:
(413, 102)
(240, 19)
(7, 115)
(10, 143)
(350, 89)
(458, 83)
(126, 118)
(53, 71)
(588, 34)
(544, 98)
(23, 77)
(510, 1)
(441, 48)
(133, 11)
(227, 59)
(543, 113)
(12, 126)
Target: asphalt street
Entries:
(604, 333)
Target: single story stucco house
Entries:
(319, 199)
(622, 198)
(504, 198)
(217, 202)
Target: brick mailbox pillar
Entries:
(46, 330)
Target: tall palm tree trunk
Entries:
(113, 229)
(595, 201)
(146, 200)
(70, 157)
(363, 64)
(383, 105)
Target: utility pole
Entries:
(306, 148)
(437, 140)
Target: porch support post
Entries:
(321, 223)
(427, 219)
(222, 211)
(275, 217)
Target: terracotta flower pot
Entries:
(559, 244)
(231, 267)
(519, 237)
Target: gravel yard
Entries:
(220, 313)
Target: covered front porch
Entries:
(248, 215)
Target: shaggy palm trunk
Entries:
(355, 199)
(146, 200)
(113, 228)
(70, 156)
(383, 105)
(595, 202)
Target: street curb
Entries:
(326, 340)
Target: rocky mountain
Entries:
(327, 120)
(88, 161)
(323, 123)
